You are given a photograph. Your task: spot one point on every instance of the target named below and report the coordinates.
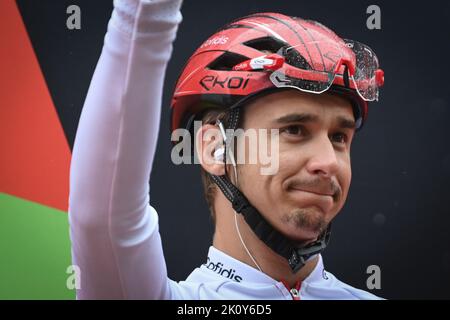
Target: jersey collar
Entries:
(228, 267)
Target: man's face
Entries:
(314, 172)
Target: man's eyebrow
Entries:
(297, 117)
(343, 122)
(346, 123)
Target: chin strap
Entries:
(283, 246)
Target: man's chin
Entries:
(305, 225)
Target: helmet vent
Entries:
(227, 61)
(269, 45)
(266, 44)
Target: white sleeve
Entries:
(114, 231)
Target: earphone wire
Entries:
(233, 162)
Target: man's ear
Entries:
(208, 140)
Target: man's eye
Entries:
(293, 130)
(340, 137)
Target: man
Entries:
(262, 72)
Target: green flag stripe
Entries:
(34, 250)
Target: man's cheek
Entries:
(345, 188)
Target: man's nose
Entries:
(323, 160)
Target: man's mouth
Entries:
(316, 189)
(319, 193)
(307, 198)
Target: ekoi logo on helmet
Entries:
(208, 82)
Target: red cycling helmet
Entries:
(265, 51)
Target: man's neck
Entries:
(226, 239)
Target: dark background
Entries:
(397, 215)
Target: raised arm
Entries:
(114, 230)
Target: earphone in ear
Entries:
(218, 154)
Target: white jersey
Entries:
(114, 231)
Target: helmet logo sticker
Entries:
(210, 81)
(215, 41)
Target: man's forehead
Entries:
(296, 106)
(304, 112)
(297, 100)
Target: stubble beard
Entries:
(306, 219)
